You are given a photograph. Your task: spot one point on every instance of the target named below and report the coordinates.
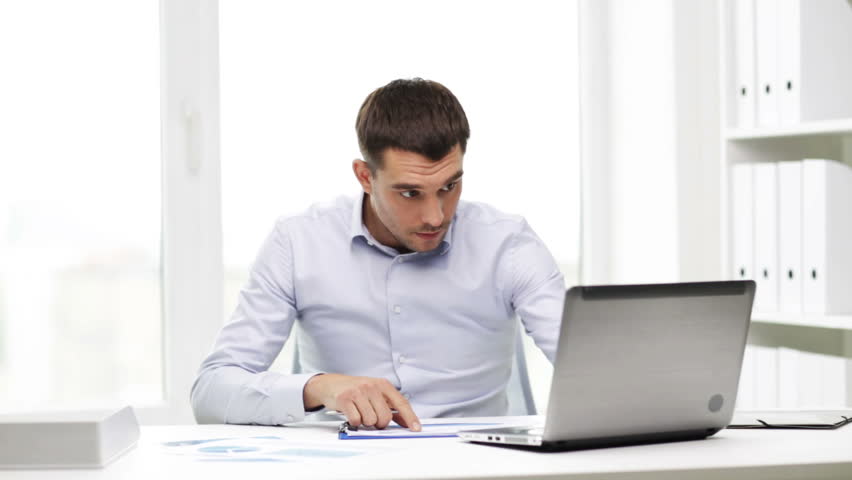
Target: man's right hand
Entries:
(364, 400)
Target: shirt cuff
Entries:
(284, 399)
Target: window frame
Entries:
(192, 272)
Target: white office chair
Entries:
(518, 389)
(521, 401)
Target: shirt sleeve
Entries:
(537, 289)
(233, 384)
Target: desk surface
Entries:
(730, 454)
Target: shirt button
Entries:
(402, 359)
(401, 259)
(396, 309)
(290, 418)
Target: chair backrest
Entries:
(521, 401)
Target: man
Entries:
(405, 297)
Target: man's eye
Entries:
(449, 187)
(410, 193)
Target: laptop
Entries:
(640, 364)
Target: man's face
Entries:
(414, 198)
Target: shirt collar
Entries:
(358, 229)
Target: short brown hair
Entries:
(415, 115)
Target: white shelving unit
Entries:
(822, 128)
(829, 138)
(825, 139)
(838, 322)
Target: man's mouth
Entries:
(428, 235)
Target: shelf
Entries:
(842, 322)
(826, 127)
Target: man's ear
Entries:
(363, 174)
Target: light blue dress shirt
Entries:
(439, 325)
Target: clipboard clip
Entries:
(344, 427)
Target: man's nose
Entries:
(433, 214)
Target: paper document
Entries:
(261, 449)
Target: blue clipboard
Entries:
(346, 432)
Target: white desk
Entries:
(730, 454)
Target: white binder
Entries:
(745, 73)
(789, 62)
(766, 35)
(742, 212)
(766, 377)
(833, 371)
(811, 380)
(746, 388)
(788, 378)
(826, 237)
(814, 41)
(790, 237)
(766, 236)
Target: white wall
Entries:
(698, 124)
(642, 155)
(650, 141)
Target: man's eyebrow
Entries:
(414, 186)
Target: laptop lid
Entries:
(640, 359)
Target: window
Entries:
(80, 209)
(295, 73)
(83, 172)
